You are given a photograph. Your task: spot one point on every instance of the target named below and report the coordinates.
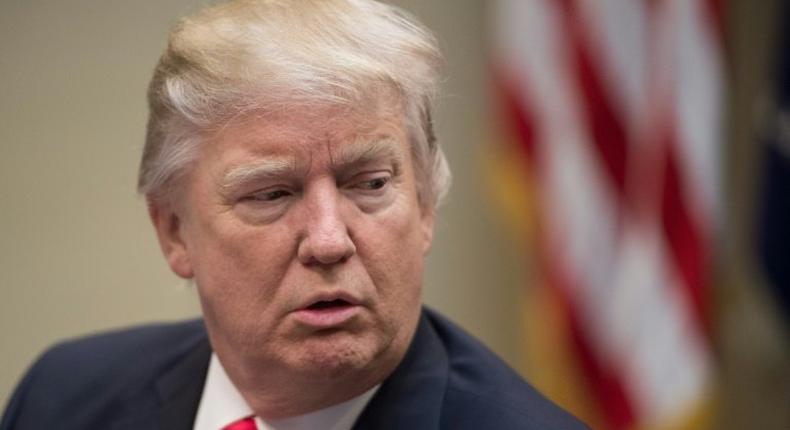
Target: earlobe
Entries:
(168, 230)
(426, 226)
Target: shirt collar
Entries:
(221, 404)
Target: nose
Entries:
(326, 240)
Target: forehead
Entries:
(308, 132)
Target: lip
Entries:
(322, 318)
(327, 318)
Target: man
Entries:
(291, 171)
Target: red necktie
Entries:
(242, 424)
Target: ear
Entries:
(426, 225)
(168, 229)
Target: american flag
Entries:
(617, 108)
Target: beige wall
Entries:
(77, 254)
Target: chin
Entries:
(336, 355)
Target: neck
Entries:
(293, 398)
(275, 390)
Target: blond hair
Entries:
(273, 55)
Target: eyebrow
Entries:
(268, 168)
(355, 154)
(365, 151)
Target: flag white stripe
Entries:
(625, 287)
(699, 99)
(617, 28)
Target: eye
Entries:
(372, 190)
(267, 195)
(374, 184)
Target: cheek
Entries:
(238, 278)
(239, 266)
(393, 247)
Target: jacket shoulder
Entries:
(484, 392)
(95, 374)
(126, 354)
(116, 349)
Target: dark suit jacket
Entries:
(152, 378)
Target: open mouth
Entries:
(328, 304)
(333, 311)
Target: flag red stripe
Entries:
(665, 203)
(714, 9)
(609, 390)
(602, 377)
(606, 128)
(684, 238)
(519, 118)
(609, 141)
(606, 382)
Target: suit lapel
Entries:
(181, 388)
(411, 397)
(174, 402)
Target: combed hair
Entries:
(280, 55)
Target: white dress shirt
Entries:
(222, 404)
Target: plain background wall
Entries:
(77, 253)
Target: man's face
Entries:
(306, 241)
